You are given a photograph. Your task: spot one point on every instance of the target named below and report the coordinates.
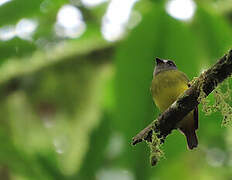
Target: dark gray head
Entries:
(163, 65)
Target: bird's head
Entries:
(163, 65)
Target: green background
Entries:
(70, 111)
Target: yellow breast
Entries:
(167, 86)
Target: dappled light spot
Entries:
(25, 28)
(215, 157)
(92, 3)
(114, 174)
(111, 31)
(4, 2)
(134, 20)
(115, 146)
(69, 22)
(48, 123)
(181, 9)
(115, 20)
(60, 144)
(7, 33)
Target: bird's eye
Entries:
(170, 62)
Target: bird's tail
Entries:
(191, 139)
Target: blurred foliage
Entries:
(69, 107)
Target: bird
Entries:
(167, 85)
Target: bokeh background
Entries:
(75, 82)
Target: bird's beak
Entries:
(158, 61)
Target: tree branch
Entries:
(200, 89)
(15, 66)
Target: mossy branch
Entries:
(200, 88)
